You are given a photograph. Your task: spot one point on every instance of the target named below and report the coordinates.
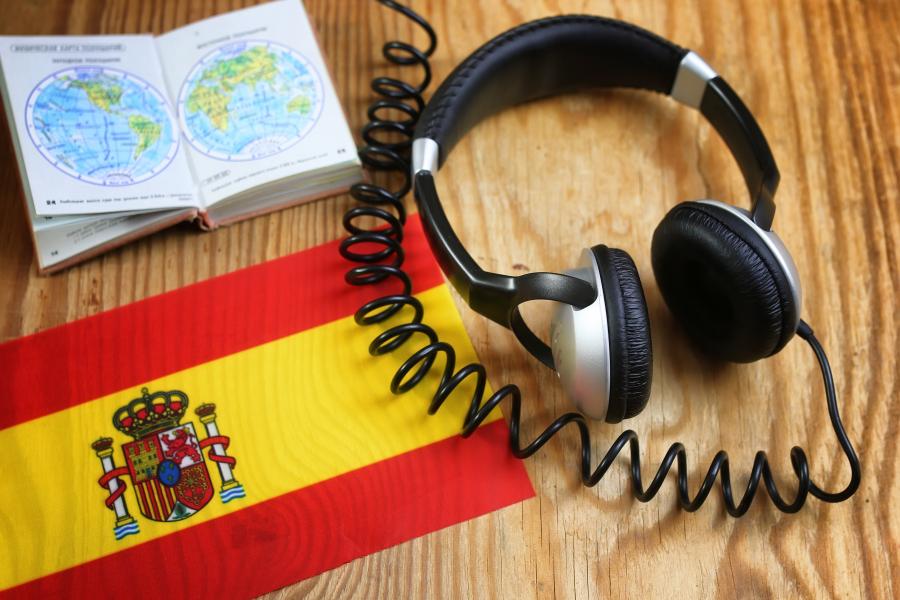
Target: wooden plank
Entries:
(529, 189)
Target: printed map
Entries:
(101, 125)
(249, 100)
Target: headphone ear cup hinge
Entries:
(564, 289)
(529, 340)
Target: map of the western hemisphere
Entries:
(101, 125)
(249, 100)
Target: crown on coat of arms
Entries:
(150, 413)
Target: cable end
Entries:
(804, 330)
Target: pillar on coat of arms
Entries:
(125, 523)
(231, 489)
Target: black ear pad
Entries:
(722, 283)
(630, 349)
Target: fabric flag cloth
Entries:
(231, 437)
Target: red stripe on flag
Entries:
(140, 486)
(65, 366)
(162, 500)
(311, 530)
(170, 497)
(153, 491)
(154, 503)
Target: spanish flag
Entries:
(230, 438)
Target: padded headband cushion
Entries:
(544, 58)
(630, 349)
(722, 283)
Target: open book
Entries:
(120, 136)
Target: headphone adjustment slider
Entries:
(691, 79)
(425, 152)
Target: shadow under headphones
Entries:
(725, 275)
(723, 272)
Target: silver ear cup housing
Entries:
(579, 340)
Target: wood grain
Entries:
(530, 188)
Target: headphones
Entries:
(724, 274)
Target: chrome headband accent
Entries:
(425, 152)
(690, 82)
(776, 246)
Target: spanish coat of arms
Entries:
(165, 461)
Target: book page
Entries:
(61, 238)
(254, 98)
(93, 126)
(96, 233)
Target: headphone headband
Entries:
(556, 55)
(549, 57)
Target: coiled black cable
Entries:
(385, 263)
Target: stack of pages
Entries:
(120, 136)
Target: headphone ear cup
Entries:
(630, 346)
(722, 283)
(602, 352)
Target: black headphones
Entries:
(724, 274)
(726, 277)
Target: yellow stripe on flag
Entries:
(298, 410)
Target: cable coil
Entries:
(385, 209)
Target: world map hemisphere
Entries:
(101, 125)
(249, 100)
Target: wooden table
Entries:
(531, 188)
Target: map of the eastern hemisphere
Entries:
(248, 100)
(101, 125)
